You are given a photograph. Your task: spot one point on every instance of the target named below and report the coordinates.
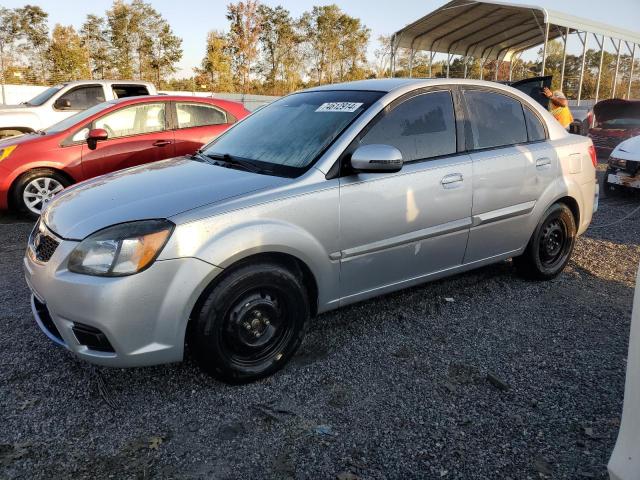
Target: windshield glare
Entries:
(44, 96)
(288, 135)
(77, 118)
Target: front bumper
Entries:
(622, 178)
(142, 317)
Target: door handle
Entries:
(450, 179)
(543, 162)
(161, 143)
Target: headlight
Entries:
(122, 249)
(6, 151)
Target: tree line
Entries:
(265, 50)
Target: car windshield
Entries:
(44, 96)
(77, 118)
(288, 135)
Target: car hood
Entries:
(21, 139)
(628, 150)
(156, 190)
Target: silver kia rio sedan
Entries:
(323, 198)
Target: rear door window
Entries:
(421, 127)
(198, 114)
(122, 91)
(495, 120)
(82, 98)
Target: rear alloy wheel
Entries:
(37, 188)
(550, 246)
(251, 323)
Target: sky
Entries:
(192, 19)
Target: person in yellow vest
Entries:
(559, 107)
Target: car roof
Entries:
(388, 85)
(109, 82)
(174, 98)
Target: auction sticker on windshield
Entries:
(347, 107)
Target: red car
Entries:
(612, 122)
(107, 137)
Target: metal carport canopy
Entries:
(495, 30)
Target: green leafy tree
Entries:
(215, 69)
(336, 44)
(142, 42)
(94, 37)
(67, 57)
(243, 38)
(280, 43)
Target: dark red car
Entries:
(107, 137)
(613, 122)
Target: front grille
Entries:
(45, 248)
(45, 318)
(92, 338)
(42, 243)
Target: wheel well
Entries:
(288, 261)
(573, 206)
(15, 182)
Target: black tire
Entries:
(550, 246)
(251, 323)
(26, 179)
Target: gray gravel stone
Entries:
(377, 372)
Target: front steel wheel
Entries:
(550, 246)
(251, 323)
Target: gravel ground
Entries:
(483, 375)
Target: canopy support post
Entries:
(544, 48)
(466, 65)
(565, 38)
(633, 61)
(584, 58)
(482, 60)
(448, 63)
(431, 55)
(495, 74)
(392, 69)
(615, 75)
(601, 45)
(411, 55)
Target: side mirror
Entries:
(62, 104)
(376, 159)
(95, 135)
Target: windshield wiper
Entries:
(236, 161)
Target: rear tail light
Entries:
(592, 154)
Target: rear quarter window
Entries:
(535, 128)
(495, 120)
